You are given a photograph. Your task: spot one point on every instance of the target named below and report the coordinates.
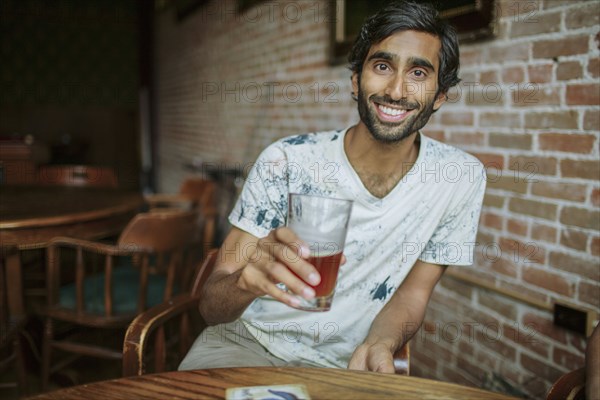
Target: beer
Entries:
(328, 267)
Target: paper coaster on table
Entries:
(276, 392)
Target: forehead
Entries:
(410, 44)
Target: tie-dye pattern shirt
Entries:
(431, 215)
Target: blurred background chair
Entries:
(159, 338)
(196, 194)
(570, 386)
(77, 175)
(98, 285)
(12, 322)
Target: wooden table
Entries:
(30, 216)
(321, 384)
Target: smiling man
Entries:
(416, 210)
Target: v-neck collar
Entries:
(359, 190)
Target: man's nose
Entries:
(396, 87)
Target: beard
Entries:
(392, 132)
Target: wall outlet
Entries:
(573, 318)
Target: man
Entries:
(416, 210)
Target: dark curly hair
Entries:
(404, 16)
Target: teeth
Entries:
(391, 111)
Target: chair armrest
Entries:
(97, 247)
(140, 329)
(402, 360)
(169, 200)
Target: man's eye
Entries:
(419, 74)
(381, 67)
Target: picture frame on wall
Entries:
(473, 20)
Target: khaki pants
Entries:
(229, 345)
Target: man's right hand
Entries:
(279, 257)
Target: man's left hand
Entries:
(376, 357)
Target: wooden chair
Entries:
(12, 319)
(77, 175)
(147, 338)
(570, 386)
(108, 285)
(194, 194)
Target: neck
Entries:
(380, 166)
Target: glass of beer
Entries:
(322, 223)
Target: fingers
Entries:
(280, 257)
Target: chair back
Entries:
(201, 191)
(77, 175)
(12, 317)
(151, 244)
(160, 231)
(570, 386)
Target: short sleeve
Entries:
(453, 241)
(262, 204)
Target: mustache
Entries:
(404, 103)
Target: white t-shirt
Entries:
(431, 215)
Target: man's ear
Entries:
(439, 100)
(355, 83)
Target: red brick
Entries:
(488, 95)
(583, 94)
(559, 190)
(542, 369)
(548, 280)
(532, 95)
(582, 17)
(543, 232)
(531, 167)
(470, 57)
(513, 75)
(470, 368)
(492, 221)
(572, 143)
(594, 67)
(435, 134)
(557, 3)
(589, 293)
(490, 200)
(499, 305)
(458, 288)
(568, 70)
(502, 265)
(521, 141)
(556, 120)
(507, 182)
(595, 197)
(591, 120)
(527, 338)
(595, 246)
(574, 265)
(544, 326)
(566, 46)
(467, 138)
(576, 240)
(457, 118)
(567, 359)
(540, 73)
(522, 252)
(510, 52)
(580, 169)
(491, 162)
(581, 217)
(500, 118)
(492, 340)
(486, 77)
(533, 208)
(518, 227)
(546, 23)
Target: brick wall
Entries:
(528, 107)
